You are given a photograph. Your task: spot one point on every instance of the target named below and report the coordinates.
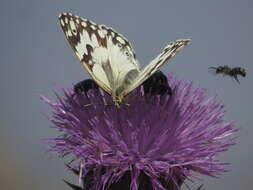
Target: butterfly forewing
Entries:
(106, 55)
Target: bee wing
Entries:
(212, 70)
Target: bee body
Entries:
(227, 71)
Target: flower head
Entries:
(156, 142)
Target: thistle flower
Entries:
(157, 142)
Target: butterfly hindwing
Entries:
(168, 52)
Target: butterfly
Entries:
(109, 58)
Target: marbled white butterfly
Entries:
(108, 56)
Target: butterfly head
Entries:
(117, 100)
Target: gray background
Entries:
(35, 58)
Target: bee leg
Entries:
(236, 78)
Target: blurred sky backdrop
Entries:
(35, 58)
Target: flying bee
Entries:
(157, 84)
(227, 71)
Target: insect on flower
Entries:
(227, 71)
(109, 58)
(157, 84)
(156, 143)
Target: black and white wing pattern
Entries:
(107, 56)
(168, 52)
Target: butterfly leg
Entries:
(87, 105)
(126, 104)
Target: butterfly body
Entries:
(109, 58)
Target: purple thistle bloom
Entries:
(155, 143)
